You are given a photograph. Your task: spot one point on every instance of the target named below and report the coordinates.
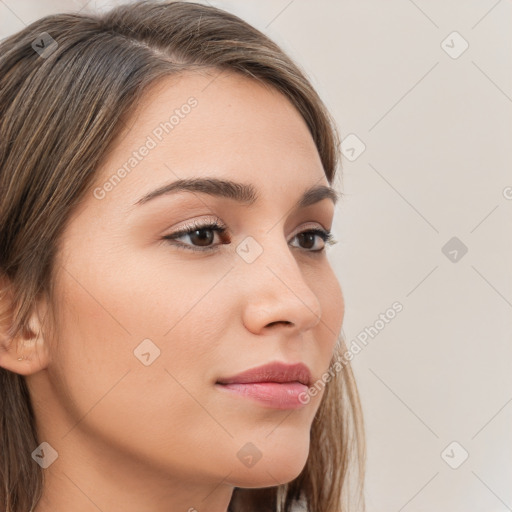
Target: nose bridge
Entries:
(276, 290)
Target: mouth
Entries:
(276, 372)
(276, 385)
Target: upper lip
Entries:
(272, 372)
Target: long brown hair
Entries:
(60, 111)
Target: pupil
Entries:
(310, 237)
(203, 235)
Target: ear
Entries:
(28, 352)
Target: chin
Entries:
(276, 467)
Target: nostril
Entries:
(271, 324)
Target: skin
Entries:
(162, 437)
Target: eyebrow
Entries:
(243, 193)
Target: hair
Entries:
(59, 115)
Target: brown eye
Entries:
(200, 236)
(308, 239)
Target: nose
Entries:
(277, 293)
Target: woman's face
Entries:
(148, 325)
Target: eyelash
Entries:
(325, 235)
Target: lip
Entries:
(276, 385)
(272, 372)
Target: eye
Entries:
(308, 238)
(201, 236)
(197, 233)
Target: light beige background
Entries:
(437, 130)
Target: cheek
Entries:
(331, 299)
(159, 410)
(107, 311)
(171, 317)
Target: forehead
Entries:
(211, 124)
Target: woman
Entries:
(145, 365)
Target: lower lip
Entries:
(275, 395)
